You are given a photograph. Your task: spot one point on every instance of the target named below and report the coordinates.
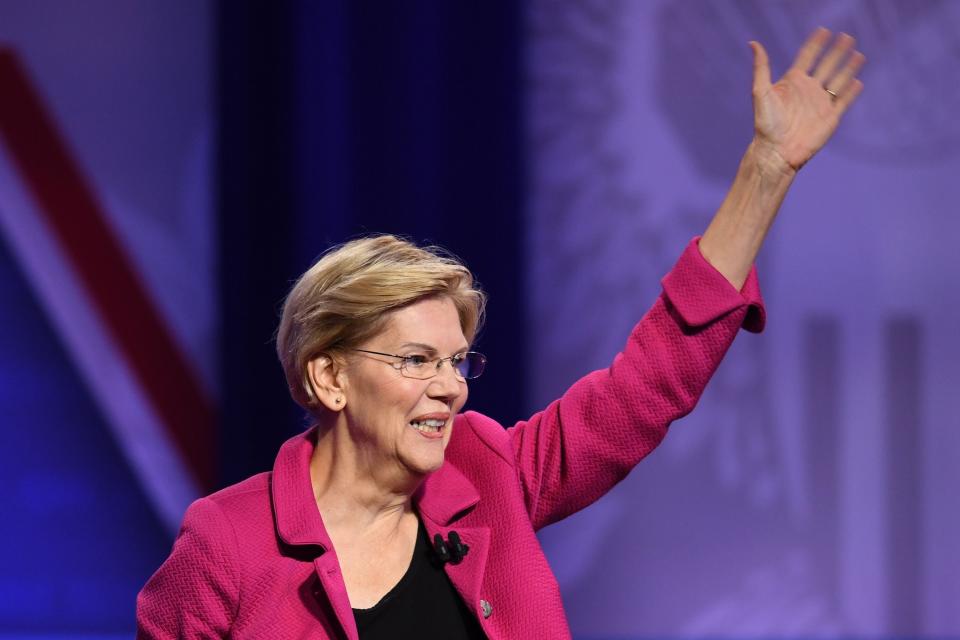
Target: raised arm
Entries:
(575, 450)
(793, 119)
(582, 444)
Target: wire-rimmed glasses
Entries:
(466, 365)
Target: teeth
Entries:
(428, 426)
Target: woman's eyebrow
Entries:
(418, 345)
(429, 349)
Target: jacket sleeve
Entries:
(195, 593)
(581, 445)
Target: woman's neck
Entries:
(356, 489)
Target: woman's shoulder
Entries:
(235, 506)
(255, 486)
(222, 537)
(474, 432)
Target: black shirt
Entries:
(423, 604)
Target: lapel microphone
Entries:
(452, 551)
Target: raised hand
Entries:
(795, 117)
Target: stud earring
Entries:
(339, 400)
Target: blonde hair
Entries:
(345, 298)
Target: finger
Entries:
(811, 49)
(761, 68)
(849, 95)
(838, 84)
(831, 61)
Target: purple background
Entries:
(810, 493)
(813, 490)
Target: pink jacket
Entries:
(254, 560)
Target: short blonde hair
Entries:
(345, 299)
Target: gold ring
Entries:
(833, 94)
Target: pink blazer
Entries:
(254, 560)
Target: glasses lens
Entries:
(418, 367)
(472, 365)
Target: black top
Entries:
(423, 604)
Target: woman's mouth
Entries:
(429, 427)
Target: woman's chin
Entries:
(423, 455)
(423, 463)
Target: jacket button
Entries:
(487, 608)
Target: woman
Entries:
(396, 515)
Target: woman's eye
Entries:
(415, 360)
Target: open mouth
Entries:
(428, 427)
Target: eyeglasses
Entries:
(466, 365)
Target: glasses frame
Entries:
(402, 365)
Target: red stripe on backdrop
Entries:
(73, 213)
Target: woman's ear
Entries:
(325, 377)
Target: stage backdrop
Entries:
(813, 491)
(167, 169)
(108, 302)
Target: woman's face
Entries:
(386, 410)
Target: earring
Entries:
(339, 400)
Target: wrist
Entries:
(764, 158)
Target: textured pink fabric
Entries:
(254, 560)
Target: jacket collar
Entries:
(294, 505)
(443, 495)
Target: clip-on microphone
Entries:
(452, 551)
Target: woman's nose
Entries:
(447, 382)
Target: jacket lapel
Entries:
(299, 524)
(328, 571)
(445, 497)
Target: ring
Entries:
(833, 94)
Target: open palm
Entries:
(797, 115)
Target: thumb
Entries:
(761, 68)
